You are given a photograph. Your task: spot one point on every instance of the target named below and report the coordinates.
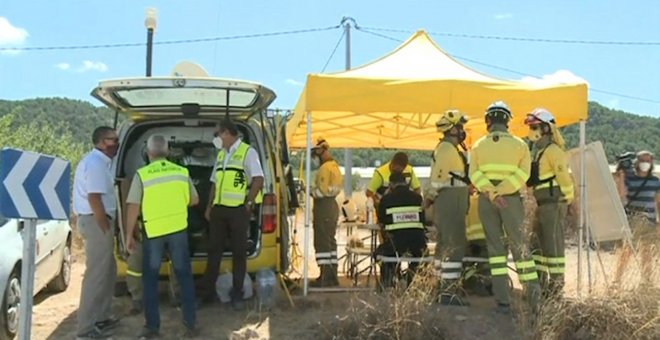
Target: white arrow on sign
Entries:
(14, 184)
(47, 188)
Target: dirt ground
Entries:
(316, 316)
(313, 317)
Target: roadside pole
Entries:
(27, 279)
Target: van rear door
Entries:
(162, 97)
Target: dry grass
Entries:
(623, 315)
(401, 313)
(628, 309)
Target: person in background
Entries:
(477, 271)
(401, 216)
(448, 193)
(552, 187)
(327, 185)
(237, 182)
(379, 183)
(500, 166)
(160, 195)
(95, 204)
(642, 204)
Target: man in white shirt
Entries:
(237, 180)
(94, 203)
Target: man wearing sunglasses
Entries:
(553, 190)
(95, 205)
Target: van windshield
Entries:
(169, 97)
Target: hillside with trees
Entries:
(63, 127)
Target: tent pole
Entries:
(308, 201)
(583, 204)
(348, 153)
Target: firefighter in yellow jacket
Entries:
(500, 166)
(448, 192)
(380, 181)
(327, 185)
(553, 191)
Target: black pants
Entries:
(228, 227)
(404, 242)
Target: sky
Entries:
(614, 71)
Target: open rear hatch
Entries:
(151, 97)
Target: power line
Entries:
(364, 30)
(538, 40)
(343, 33)
(169, 42)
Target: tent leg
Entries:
(308, 165)
(583, 204)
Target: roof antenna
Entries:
(227, 104)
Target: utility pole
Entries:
(348, 154)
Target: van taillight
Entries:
(269, 214)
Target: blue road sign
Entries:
(34, 185)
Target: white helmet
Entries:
(499, 109)
(540, 115)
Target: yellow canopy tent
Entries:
(395, 101)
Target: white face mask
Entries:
(644, 166)
(534, 135)
(217, 142)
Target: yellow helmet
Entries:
(321, 144)
(449, 119)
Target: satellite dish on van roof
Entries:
(189, 69)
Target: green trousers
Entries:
(549, 241)
(326, 214)
(504, 232)
(450, 209)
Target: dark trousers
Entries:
(399, 243)
(177, 247)
(228, 228)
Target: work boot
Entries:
(503, 308)
(452, 300)
(328, 278)
(237, 302)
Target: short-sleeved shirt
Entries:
(379, 184)
(645, 201)
(136, 190)
(252, 164)
(93, 176)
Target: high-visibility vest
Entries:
(384, 172)
(165, 198)
(406, 217)
(231, 184)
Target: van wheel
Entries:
(61, 282)
(11, 303)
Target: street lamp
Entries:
(150, 24)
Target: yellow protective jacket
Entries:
(553, 170)
(500, 163)
(448, 165)
(381, 179)
(328, 181)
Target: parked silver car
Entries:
(53, 266)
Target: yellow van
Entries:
(185, 108)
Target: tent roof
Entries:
(393, 102)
